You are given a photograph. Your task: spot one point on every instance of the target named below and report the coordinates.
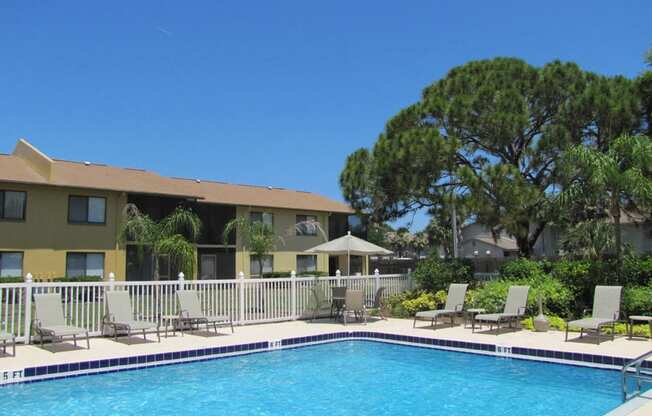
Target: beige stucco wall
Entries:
(45, 236)
(288, 244)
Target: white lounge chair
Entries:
(190, 312)
(513, 312)
(120, 318)
(454, 305)
(50, 321)
(6, 337)
(605, 312)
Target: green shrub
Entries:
(78, 279)
(426, 301)
(434, 274)
(521, 269)
(491, 296)
(637, 300)
(395, 303)
(11, 279)
(557, 298)
(274, 275)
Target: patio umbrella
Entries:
(349, 245)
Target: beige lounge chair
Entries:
(454, 305)
(50, 321)
(354, 303)
(513, 312)
(605, 312)
(120, 318)
(320, 303)
(6, 337)
(190, 312)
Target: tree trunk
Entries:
(524, 247)
(260, 265)
(615, 214)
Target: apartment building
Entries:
(62, 218)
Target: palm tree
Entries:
(257, 237)
(174, 236)
(588, 239)
(616, 180)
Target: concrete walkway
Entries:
(103, 348)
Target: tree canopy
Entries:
(492, 131)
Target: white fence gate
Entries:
(245, 300)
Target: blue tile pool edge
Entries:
(49, 372)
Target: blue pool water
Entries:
(343, 378)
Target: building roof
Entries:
(501, 242)
(28, 165)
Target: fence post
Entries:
(376, 281)
(181, 281)
(27, 322)
(111, 281)
(409, 279)
(338, 277)
(293, 282)
(241, 300)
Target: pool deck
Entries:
(105, 348)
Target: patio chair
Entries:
(51, 323)
(120, 318)
(513, 312)
(354, 302)
(378, 303)
(454, 305)
(321, 303)
(338, 295)
(190, 312)
(605, 312)
(6, 337)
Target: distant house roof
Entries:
(28, 165)
(501, 242)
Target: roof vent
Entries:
(87, 163)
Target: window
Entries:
(164, 267)
(87, 210)
(12, 205)
(264, 217)
(208, 266)
(84, 264)
(306, 225)
(306, 263)
(254, 266)
(11, 264)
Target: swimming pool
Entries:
(341, 378)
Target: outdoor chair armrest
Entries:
(109, 318)
(521, 311)
(36, 324)
(183, 312)
(459, 307)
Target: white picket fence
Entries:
(246, 300)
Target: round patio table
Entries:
(639, 318)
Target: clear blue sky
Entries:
(269, 92)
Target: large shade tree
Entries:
(489, 130)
